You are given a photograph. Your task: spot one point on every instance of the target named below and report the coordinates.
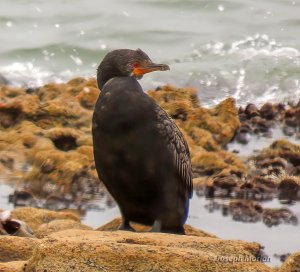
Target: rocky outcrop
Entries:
(14, 248)
(78, 250)
(292, 263)
(45, 138)
(37, 218)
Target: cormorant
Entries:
(140, 154)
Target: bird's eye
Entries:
(136, 64)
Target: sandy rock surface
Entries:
(78, 250)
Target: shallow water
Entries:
(245, 49)
(258, 142)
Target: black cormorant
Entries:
(140, 154)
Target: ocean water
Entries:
(246, 49)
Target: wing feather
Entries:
(177, 146)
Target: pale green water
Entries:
(247, 49)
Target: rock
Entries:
(274, 217)
(59, 225)
(260, 125)
(12, 226)
(242, 137)
(78, 250)
(212, 163)
(88, 96)
(292, 264)
(289, 189)
(268, 111)
(36, 217)
(282, 257)
(49, 129)
(16, 266)
(114, 225)
(22, 197)
(221, 121)
(286, 150)
(251, 111)
(14, 248)
(245, 211)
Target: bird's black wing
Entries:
(177, 145)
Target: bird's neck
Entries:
(105, 72)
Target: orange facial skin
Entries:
(141, 69)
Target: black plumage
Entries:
(140, 154)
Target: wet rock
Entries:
(261, 125)
(251, 111)
(107, 251)
(275, 217)
(22, 198)
(289, 184)
(257, 188)
(268, 111)
(288, 131)
(267, 182)
(31, 90)
(272, 162)
(242, 137)
(83, 184)
(225, 182)
(281, 154)
(292, 264)
(282, 257)
(57, 202)
(245, 211)
(289, 190)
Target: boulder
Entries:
(13, 248)
(292, 264)
(37, 217)
(81, 250)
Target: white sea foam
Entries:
(26, 74)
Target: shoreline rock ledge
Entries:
(64, 244)
(81, 250)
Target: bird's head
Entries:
(126, 62)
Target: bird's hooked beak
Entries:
(140, 70)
